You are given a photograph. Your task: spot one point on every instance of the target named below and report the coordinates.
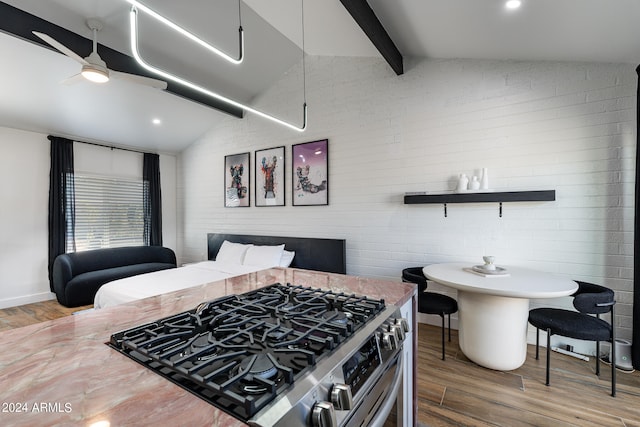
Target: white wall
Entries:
(24, 192)
(563, 126)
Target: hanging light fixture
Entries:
(95, 72)
(95, 69)
(133, 21)
(195, 38)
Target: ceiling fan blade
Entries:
(76, 78)
(147, 81)
(59, 46)
(158, 84)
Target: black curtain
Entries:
(61, 199)
(635, 348)
(152, 200)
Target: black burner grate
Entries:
(241, 351)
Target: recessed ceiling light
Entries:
(513, 4)
(156, 121)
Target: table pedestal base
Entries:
(493, 329)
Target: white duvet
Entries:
(160, 282)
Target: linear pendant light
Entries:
(133, 21)
(192, 36)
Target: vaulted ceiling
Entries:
(120, 112)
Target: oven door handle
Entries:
(383, 412)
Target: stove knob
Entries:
(341, 397)
(403, 323)
(389, 341)
(398, 331)
(323, 415)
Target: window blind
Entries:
(109, 212)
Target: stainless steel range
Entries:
(282, 355)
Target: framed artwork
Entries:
(310, 167)
(269, 177)
(237, 174)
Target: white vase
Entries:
(463, 183)
(484, 181)
(474, 184)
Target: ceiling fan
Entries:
(93, 67)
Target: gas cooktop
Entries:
(240, 352)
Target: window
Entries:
(108, 213)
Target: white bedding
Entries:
(160, 282)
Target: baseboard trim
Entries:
(26, 299)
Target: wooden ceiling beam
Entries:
(366, 18)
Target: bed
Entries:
(230, 255)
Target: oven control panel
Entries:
(363, 369)
(359, 367)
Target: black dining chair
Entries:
(589, 299)
(431, 302)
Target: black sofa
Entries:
(78, 276)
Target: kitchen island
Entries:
(61, 372)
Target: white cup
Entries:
(488, 262)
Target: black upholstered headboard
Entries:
(311, 253)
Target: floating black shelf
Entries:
(494, 196)
(488, 197)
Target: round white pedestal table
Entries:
(493, 311)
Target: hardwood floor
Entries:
(457, 392)
(16, 317)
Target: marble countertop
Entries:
(61, 373)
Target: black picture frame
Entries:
(310, 173)
(269, 177)
(237, 179)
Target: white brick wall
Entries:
(535, 125)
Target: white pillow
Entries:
(287, 258)
(232, 253)
(264, 256)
